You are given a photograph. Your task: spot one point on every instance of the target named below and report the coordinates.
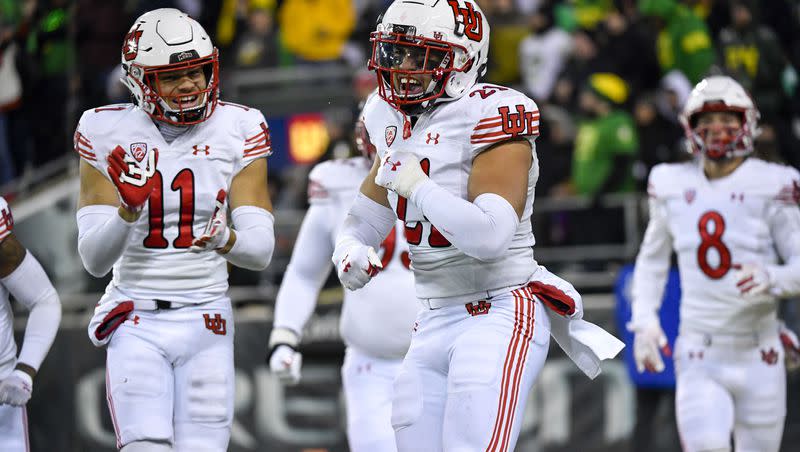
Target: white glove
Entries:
(791, 347)
(752, 280)
(216, 233)
(648, 344)
(401, 173)
(16, 389)
(284, 359)
(359, 264)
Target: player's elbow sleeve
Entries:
(490, 238)
(255, 238)
(102, 235)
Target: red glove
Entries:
(134, 179)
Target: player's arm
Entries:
(781, 280)
(649, 277)
(497, 191)
(367, 224)
(251, 240)
(652, 266)
(297, 296)
(23, 277)
(103, 223)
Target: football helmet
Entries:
(720, 93)
(428, 51)
(163, 41)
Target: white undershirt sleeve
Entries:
(29, 285)
(255, 238)
(307, 270)
(489, 217)
(367, 223)
(785, 227)
(652, 267)
(102, 236)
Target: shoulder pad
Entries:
(665, 179)
(334, 178)
(499, 113)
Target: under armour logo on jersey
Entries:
(770, 357)
(198, 149)
(737, 197)
(216, 324)
(386, 161)
(431, 137)
(480, 308)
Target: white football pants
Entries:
(730, 385)
(170, 377)
(464, 382)
(13, 429)
(368, 383)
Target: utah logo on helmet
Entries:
(167, 42)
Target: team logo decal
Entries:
(480, 308)
(769, 356)
(139, 151)
(131, 47)
(216, 324)
(689, 195)
(391, 132)
(469, 22)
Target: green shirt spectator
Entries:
(684, 42)
(606, 142)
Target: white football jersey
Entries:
(157, 264)
(447, 139)
(8, 348)
(378, 318)
(749, 216)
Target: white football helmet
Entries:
(162, 41)
(720, 93)
(447, 40)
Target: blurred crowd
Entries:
(610, 76)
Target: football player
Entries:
(734, 223)
(375, 323)
(157, 176)
(23, 277)
(457, 165)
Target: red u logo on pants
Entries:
(216, 324)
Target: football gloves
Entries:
(216, 233)
(16, 389)
(649, 342)
(752, 280)
(401, 173)
(359, 264)
(133, 178)
(791, 347)
(284, 359)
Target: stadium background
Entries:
(302, 62)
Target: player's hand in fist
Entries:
(649, 342)
(16, 389)
(217, 233)
(401, 173)
(357, 265)
(752, 280)
(133, 176)
(283, 358)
